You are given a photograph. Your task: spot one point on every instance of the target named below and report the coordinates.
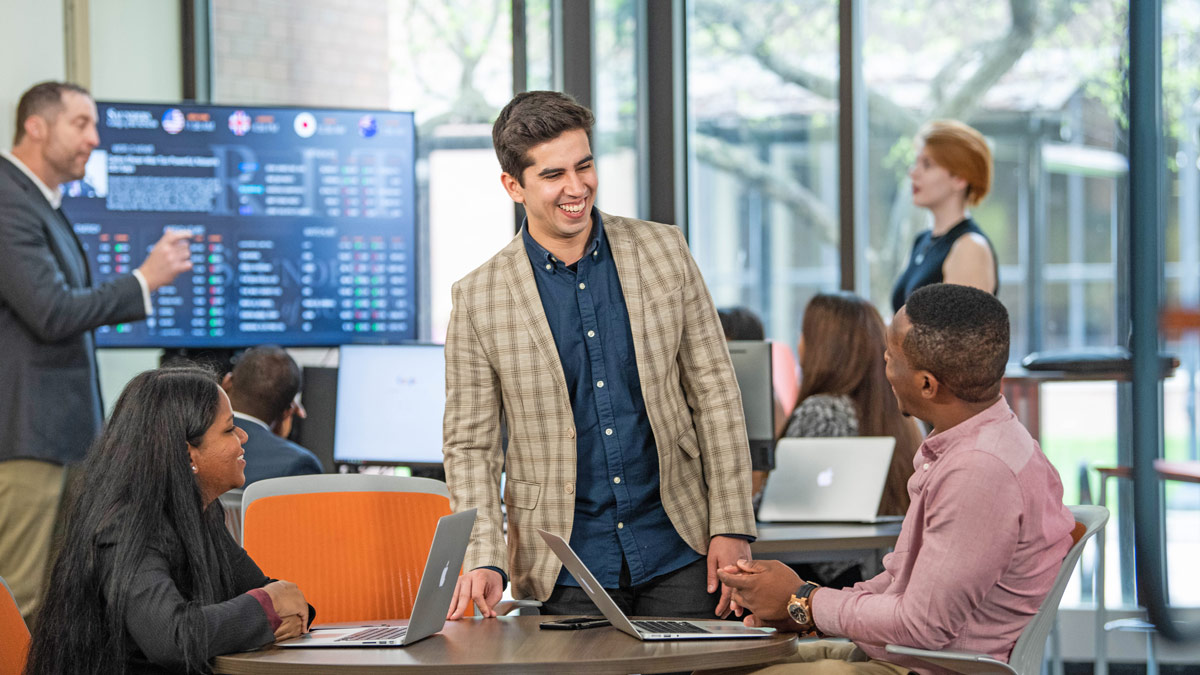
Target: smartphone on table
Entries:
(576, 623)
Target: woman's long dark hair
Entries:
(844, 341)
(136, 491)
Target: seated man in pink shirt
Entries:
(985, 534)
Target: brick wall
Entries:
(330, 53)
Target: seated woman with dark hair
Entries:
(844, 389)
(149, 580)
(844, 392)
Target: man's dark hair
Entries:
(960, 334)
(44, 99)
(532, 118)
(265, 381)
(741, 323)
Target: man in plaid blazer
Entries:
(596, 340)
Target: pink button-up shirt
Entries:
(982, 541)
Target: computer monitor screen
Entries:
(752, 366)
(390, 401)
(303, 222)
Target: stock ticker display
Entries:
(302, 222)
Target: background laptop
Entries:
(433, 596)
(828, 480)
(644, 630)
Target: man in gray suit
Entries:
(262, 390)
(51, 408)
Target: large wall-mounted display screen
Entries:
(303, 222)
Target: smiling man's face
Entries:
(559, 188)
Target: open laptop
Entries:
(644, 630)
(433, 596)
(828, 480)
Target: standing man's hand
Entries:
(481, 587)
(170, 257)
(724, 551)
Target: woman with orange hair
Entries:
(952, 172)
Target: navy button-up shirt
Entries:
(618, 506)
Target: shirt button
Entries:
(569, 488)
(620, 526)
(549, 266)
(570, 432)
(591, 333)
(608, 432)
(582, 286)
(600, 384)
(926, 467)
(617, 479)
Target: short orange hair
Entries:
(963, 152)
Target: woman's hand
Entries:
(293, 626)
(287, 599)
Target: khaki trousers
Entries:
(823, 657)
(30, 493)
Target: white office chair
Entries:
(1026, 657)
(231, 502)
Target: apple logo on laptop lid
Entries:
(825, 478)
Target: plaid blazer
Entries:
(501, 360)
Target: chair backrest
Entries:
(1027, 654)
(231, 503)
(14, 634)
(355, 544)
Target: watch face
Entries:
(798, 612)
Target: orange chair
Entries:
(14, 634)
(355, 544)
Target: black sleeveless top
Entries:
(929, 255)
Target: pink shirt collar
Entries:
(938, 444)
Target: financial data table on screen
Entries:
(302, 222)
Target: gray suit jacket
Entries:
(500, 356)
(50, 404)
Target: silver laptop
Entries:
(433, 596)
(644, 630)
(828, 480)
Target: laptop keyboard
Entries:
(669, 627)
(377, 633)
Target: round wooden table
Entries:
(515, 645)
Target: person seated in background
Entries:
(148, 579)
(741, 323)
(986, 531)
(844, 390)
(262, 389)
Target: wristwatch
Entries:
(800, 605)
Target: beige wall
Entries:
(136, 50)
(31, 49)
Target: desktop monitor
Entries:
(752, 366)
(303, 222)
(390, 402)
